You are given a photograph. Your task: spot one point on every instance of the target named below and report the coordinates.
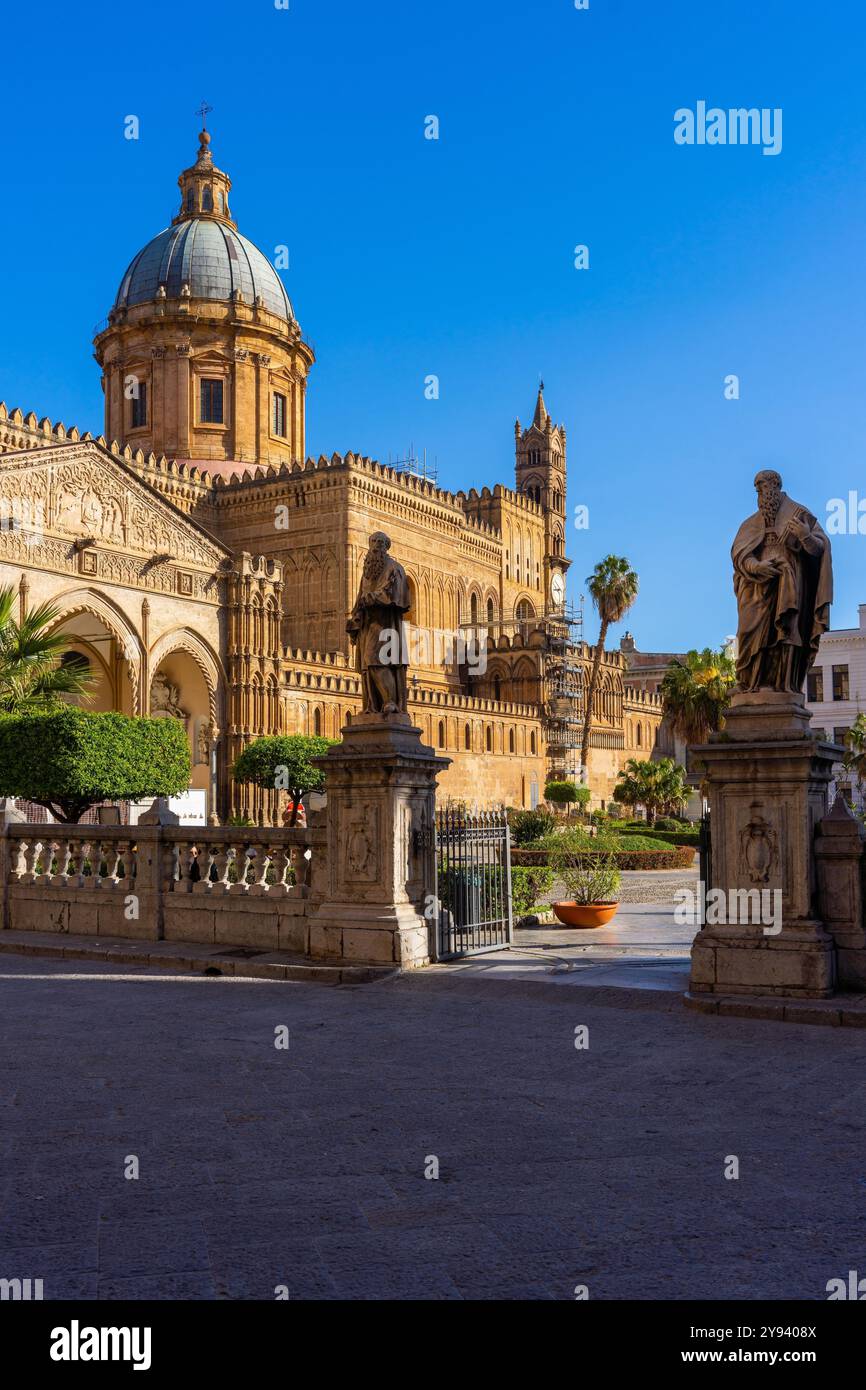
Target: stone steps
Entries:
(189, 956)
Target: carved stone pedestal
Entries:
(380, 869)
(768, 780)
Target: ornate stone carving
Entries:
(759, 853)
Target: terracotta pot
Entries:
(584, 914)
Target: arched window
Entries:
(638, 736)
(532, 742)
(207, 199)
(525, 611)
(489, 739)
(441, 733)
(467, 737)
(473, 610)
(497, 688)
(491, 612)
(511, 740)
(317, 722)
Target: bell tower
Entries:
(540, 472)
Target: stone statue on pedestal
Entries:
(375, 627)
(783, 580)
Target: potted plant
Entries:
(591, 882)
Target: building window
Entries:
(840, 683)
(489, 739)
(532, 742)
(441, 734)
(467, 737)
(317, 723)
(839, 736)
(511, 740)
(139, 407)
(815, 685)
(211, 401)
(491, 612)
(207, 199)
(279, 415)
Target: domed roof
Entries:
(210, 257)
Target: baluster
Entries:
(205, 883)
(281, 863)
(114, 871)
(222, 861)
(89, 858)
(35, 849)
(246, 867)
(21, 859)
(76, 861)
(266, 854)
(64, 859)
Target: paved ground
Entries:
(558, 1167)
(645, 885)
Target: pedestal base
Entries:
(381, 875)
(768, 780)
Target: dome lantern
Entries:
(204, 189)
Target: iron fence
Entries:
(473, 873)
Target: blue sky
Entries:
(455, 257)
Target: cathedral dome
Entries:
(205, 258)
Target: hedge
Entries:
(671, 837)
(677, 857)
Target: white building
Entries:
(836, 684)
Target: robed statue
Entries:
(783, 580)
(376, 628)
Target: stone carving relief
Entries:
(165, 698)
(759, 850)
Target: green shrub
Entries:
(528, 826)
(527, 886)
(70, 759)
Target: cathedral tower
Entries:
(202, 356)
(540, 474)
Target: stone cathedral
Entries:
(204, 566)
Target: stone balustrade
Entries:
(232, 886)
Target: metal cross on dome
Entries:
(203, 111)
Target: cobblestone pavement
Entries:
(305, 1167)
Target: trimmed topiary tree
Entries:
(567, 794)
(283, 762)
(69, 759)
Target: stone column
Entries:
(380, 865)
(768, 782)
(840, 851)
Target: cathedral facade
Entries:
(203, 566)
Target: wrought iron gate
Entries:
(473, 883)
(705, 851)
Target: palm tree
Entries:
(656, 785)
(855, 751)
(613, 588)
(31, 674)
(696, 692)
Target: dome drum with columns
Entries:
(202, 356)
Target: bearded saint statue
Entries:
(376, 628)
(783, 580)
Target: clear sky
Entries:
(455, 257)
